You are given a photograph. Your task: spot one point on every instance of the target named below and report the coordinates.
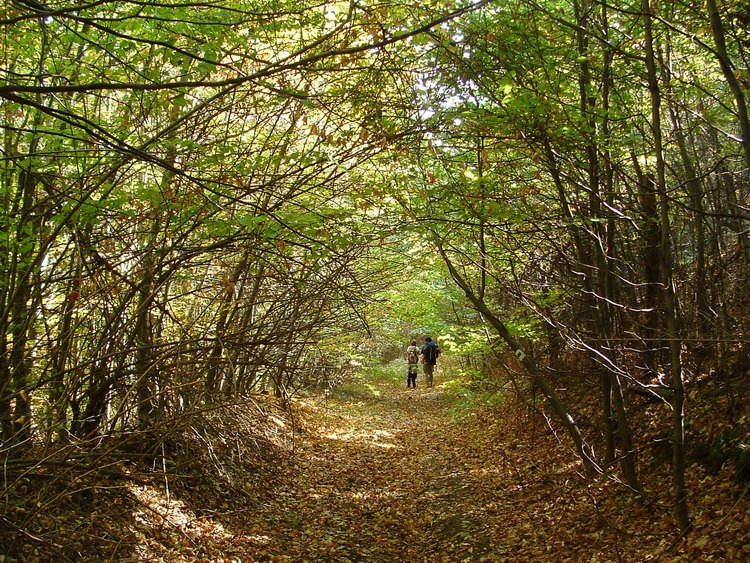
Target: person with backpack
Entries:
(430, 354)
(412, 359)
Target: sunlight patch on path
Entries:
(156, 512)
(377, 438)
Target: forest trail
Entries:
(383, 478)
(378, 473)
(392, 475)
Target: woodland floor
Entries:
(382, 473)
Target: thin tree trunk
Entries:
(584, 450)
(704, 324)
(608, 285)
(144, 341)
(60, 356)
(213, 379)
(650, 239)
(728, 69)
(21, 309)
(669, 298)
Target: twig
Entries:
(733, 507)
(23, 532)
(34, 539)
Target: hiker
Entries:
(412, 359)
(430, 354)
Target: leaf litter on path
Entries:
(378, 474)
(395, 477)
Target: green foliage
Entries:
(466, 395)
(421, 303)
(390, 373)
(469, 339)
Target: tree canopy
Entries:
(206, 201)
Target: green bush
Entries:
(392, 372)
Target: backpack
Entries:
(413, 354)
(430, 351)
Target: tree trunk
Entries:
(60, 356)
(213, 376)
(144, 342)
(669, 298)
(584, 450)
(728, 69)
(704, 315)
(21, 309)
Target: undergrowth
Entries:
(116, 498)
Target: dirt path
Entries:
(391, 476)
(385, 474)
(381, 479)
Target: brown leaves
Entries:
(394, 476)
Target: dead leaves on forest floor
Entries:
(382, 474)
(393, 476)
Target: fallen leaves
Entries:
(393, 477)
(481, 489)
